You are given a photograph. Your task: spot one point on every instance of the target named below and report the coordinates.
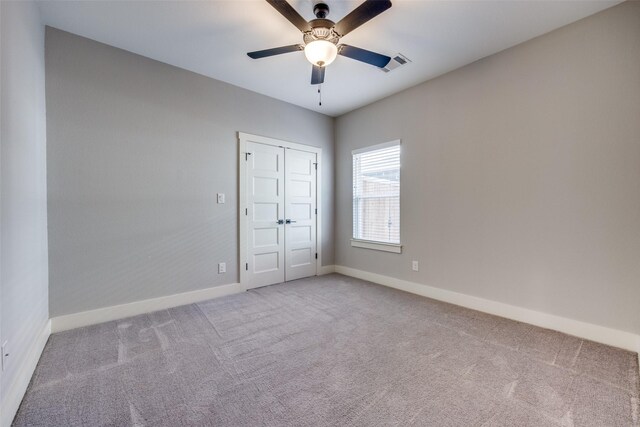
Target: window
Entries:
(376, 197)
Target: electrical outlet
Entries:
(222, 267)
(220, 197)
(414, 266)
(5, 354)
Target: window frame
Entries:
(374, 244)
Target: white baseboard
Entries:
(12, 396)
(601, 334)
(326, 269)
(115, 312)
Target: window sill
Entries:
(395, 248)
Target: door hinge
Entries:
(316, 255)
(246, 211)
(246, 156)
(246, 266)
(316, 211)
(316, 166)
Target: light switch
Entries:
(222, 267)
(220, 197)
(5, 354)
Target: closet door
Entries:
(265, 189)
(300, 214)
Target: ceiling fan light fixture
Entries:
(321, 52)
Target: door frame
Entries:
(243, 138)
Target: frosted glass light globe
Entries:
(321, 52)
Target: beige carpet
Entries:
(327, 351)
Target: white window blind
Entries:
(376, 193)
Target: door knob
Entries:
(289, 221)
(281, 221)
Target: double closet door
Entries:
(280, 214)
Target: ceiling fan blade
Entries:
(275, 51)
(317, 75)
(363, 55)
(361, 14)
(290, 13)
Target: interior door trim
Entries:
(243, 139)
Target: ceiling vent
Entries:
(396, 61)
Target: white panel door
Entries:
(265, 175)
(300, 214)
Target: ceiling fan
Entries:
(321, 36)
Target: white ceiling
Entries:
(212, 38)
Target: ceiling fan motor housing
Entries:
(321, 29)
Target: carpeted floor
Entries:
(327, 351)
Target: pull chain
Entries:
(320, 95)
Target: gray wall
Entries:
(137, 151)
(23, 189)
(520, 174)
